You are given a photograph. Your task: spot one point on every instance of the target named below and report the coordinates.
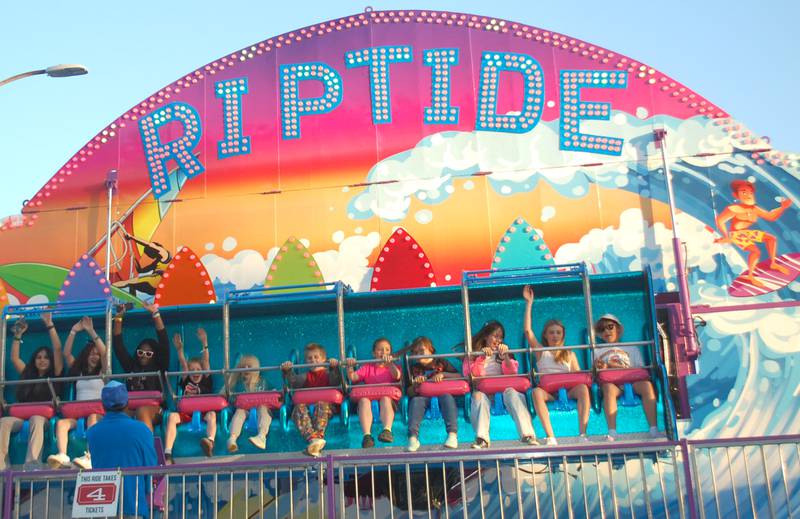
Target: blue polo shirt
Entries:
(119, 441)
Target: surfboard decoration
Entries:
(770, 279)
(521, 246)
(25, 280)
(293, 265)
(245, 505)
(185, 281)
(140, 220)
(402, 264)
(85, 280)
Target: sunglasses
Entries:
(146, 354)
(606, 327)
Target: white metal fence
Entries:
(756, 477)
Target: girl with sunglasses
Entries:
(610, 329)
(553, 362)
(150, 355)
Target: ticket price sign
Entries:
(96, 494)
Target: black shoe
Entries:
(386, 436)
(367, 442)
(168, 459)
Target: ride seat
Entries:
(559, 385)
(250, 402)
(24, 411)
(494, 387)
(137, 399)
(625, 378)
(79, 411)
(197, 405)
(432, 390)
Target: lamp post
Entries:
(54, 71)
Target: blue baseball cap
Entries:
(114, 396)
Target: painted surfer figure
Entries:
(744, 214)
(150, 273)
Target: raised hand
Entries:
(47, 319)
(527, 293)
(202, 336)
(119, 310)
(20, 327)
(87, 324)
(77, 327)
(177, 340)
(150, 307)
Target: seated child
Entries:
(192, 385)
(384, 372)
(433, 370)
(610, 329)
(552, 362)
(313, 430)
(249, 382)
(496, 361)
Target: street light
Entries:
(54, 71)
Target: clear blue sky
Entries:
(743, 56)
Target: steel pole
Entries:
(687, 327)
(111, 186)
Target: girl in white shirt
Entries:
(553, 362)
(90, 362)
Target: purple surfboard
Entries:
(771, 279)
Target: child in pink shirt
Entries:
(385, 372)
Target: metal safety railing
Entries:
(749, 477)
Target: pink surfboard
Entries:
(771, 279)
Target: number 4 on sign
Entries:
(95, 499)
(98, 495)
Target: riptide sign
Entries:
(331, 88)
(96, 494)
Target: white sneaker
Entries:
(452, 441)
(58, 461)
(551, 441)
(260, 442)
(413, 444)
(84, 462)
